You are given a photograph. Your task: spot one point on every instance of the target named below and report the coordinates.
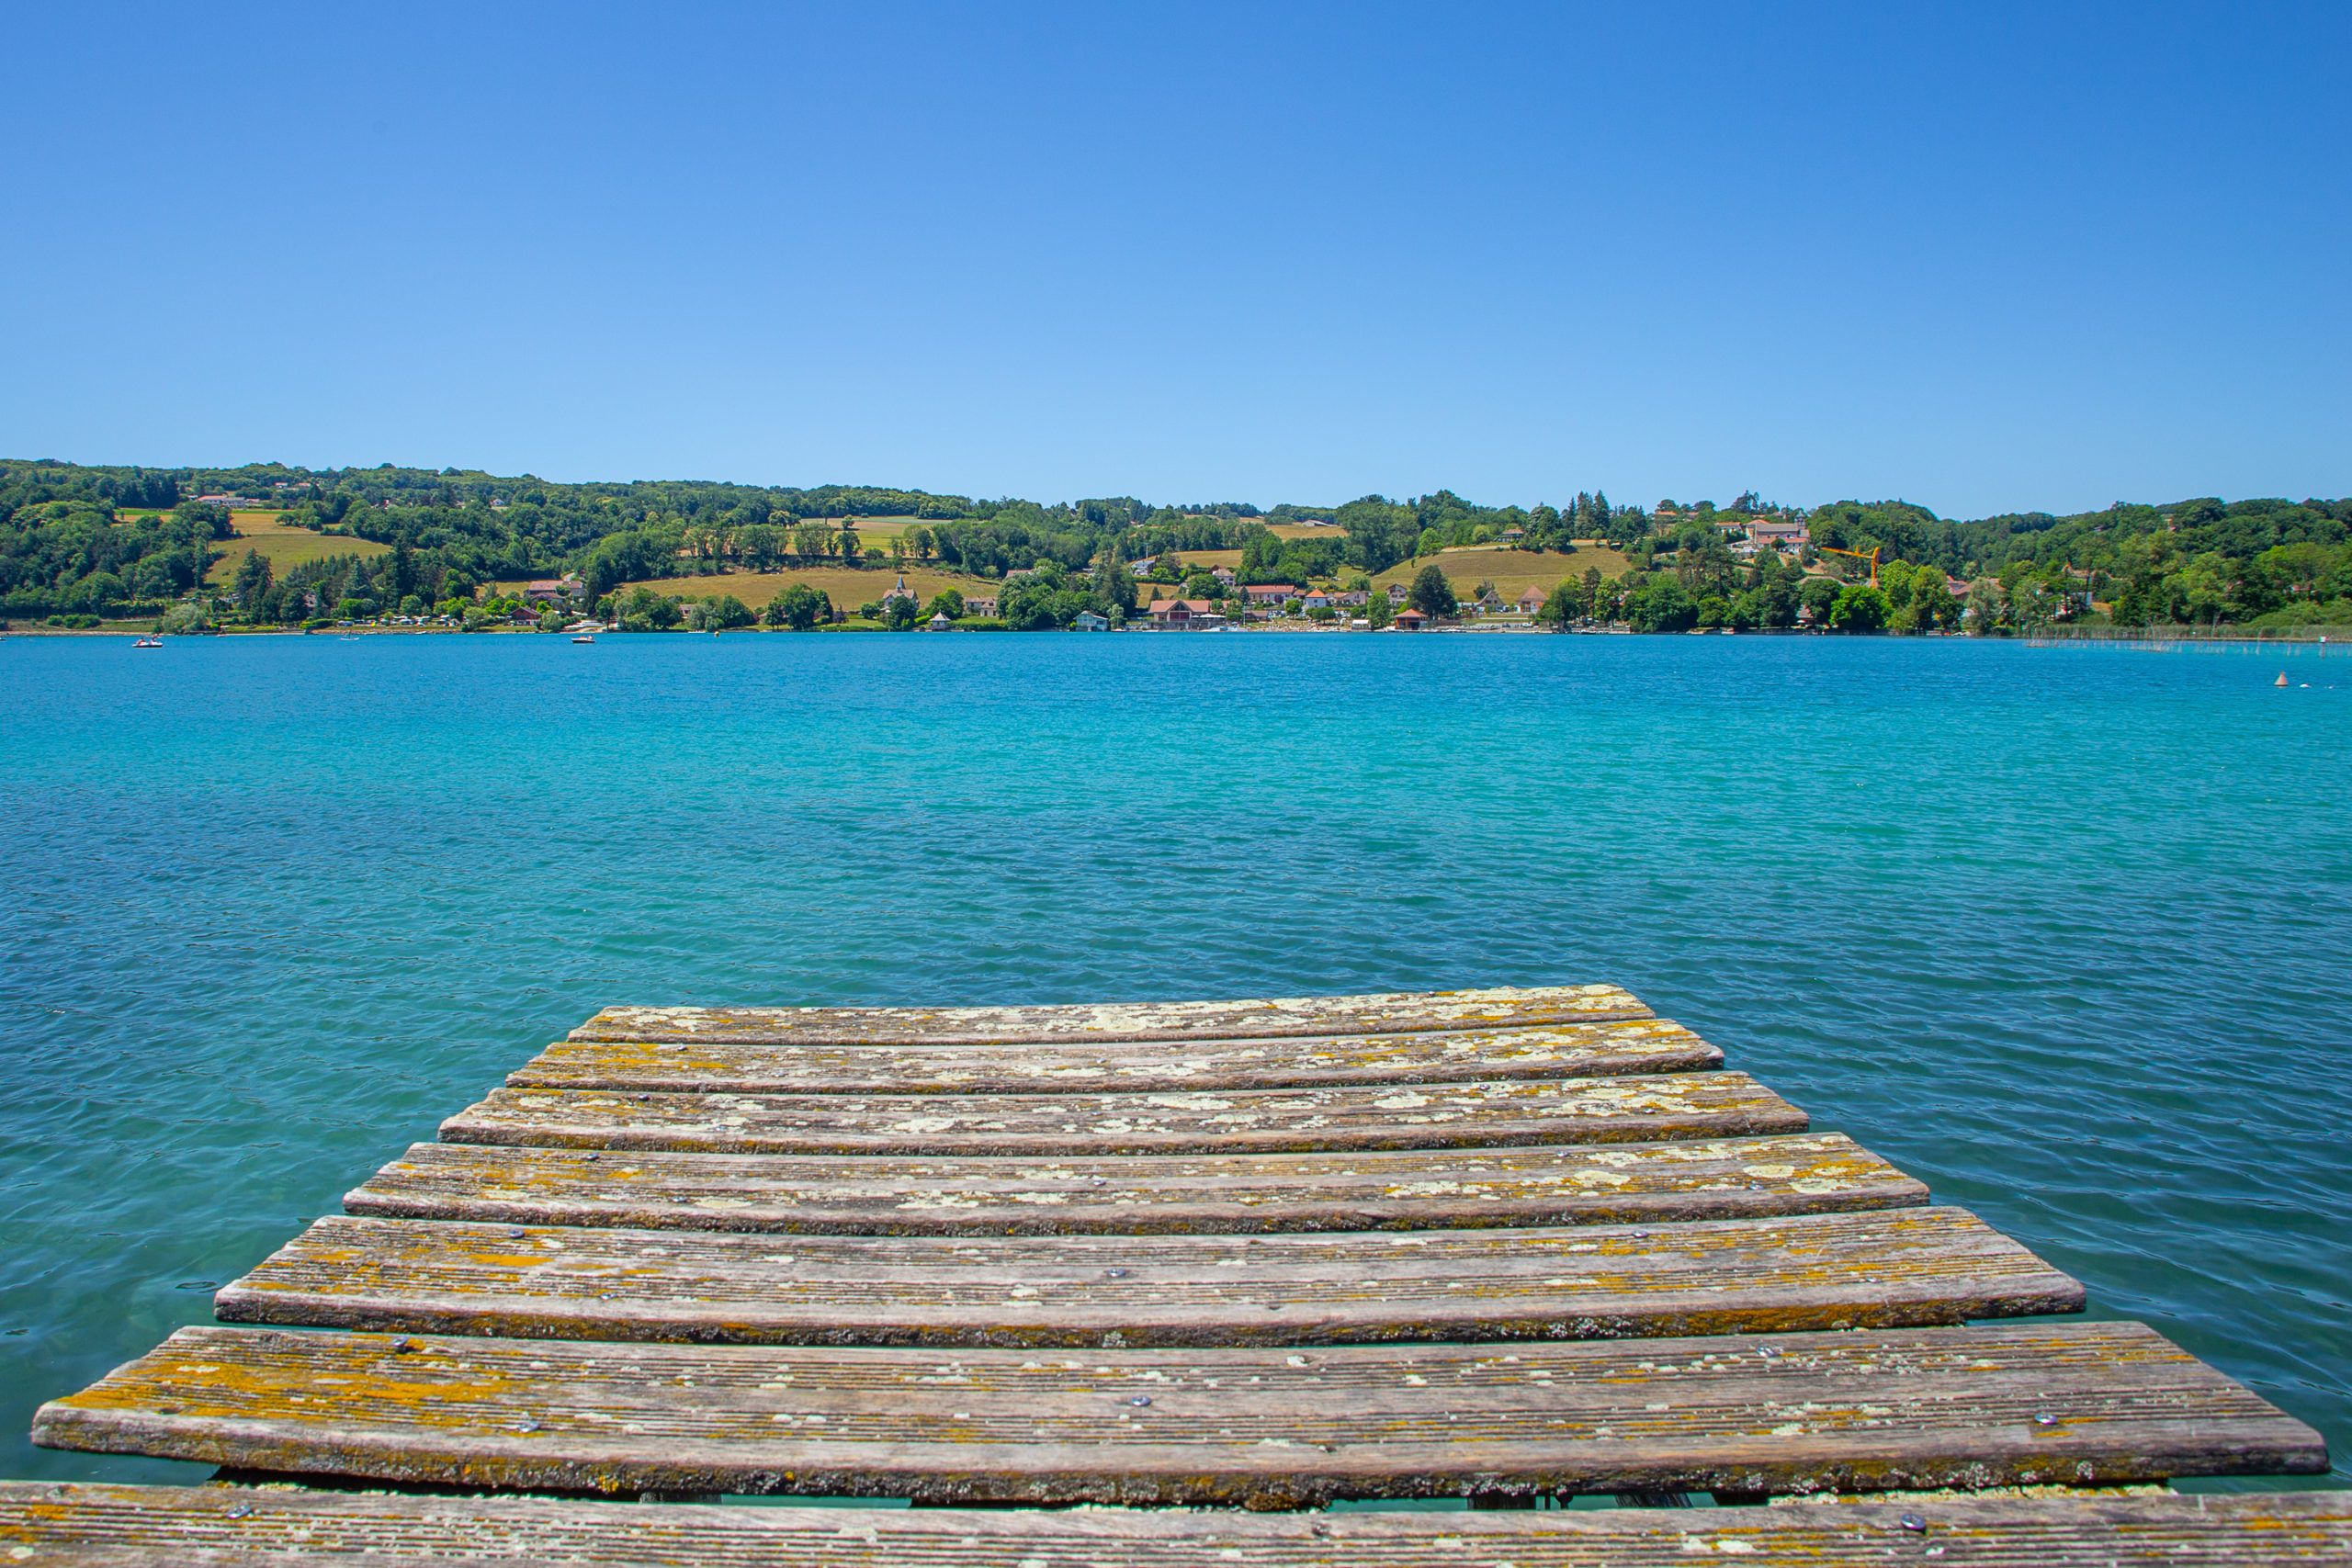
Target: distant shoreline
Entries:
(2273, 637)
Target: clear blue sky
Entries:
(1978, 258)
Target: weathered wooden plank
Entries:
(159, 1527)
(1261, 1017)
(1571, 1050)
(1134, 1194)
(2077, 1403)
(1886, 1268)
(1390, 1116)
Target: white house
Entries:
(1776, 533)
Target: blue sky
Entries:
(1978, 257)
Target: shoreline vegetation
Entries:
(269, 549)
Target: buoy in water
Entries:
(2281, 682)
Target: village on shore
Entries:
(269, 548)
(1163, 593)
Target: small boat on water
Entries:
(584, 636)
(2282, 679)
(152, 640)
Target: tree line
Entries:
(89, 540)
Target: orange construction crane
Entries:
(1872, 557)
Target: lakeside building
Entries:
(981, 604)
(1088, 621)
(1274, 594)
(1183, 614)
(1410, 620)
(1531, 601)
(898, 591)
(547, 590)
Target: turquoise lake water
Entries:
(2063, 932)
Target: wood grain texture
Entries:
(1257, 1018)
(158, 1526)
(1391, 1116)
(1570, 1050)
(1137, 1194)
(1886, 1268)
(2077, 1403)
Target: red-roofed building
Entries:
(1272, 592)
(1181, 612)
(548, 589)
(1410, 620)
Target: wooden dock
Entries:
(1511, 1247)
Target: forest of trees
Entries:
(81, 542)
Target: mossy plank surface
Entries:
(1389, 1116)
(1138, 1195)
(1262, 1017)
(2079, 1404)
(158, 1526)
(1881, 1269)
(1546, 1051)
(154, 1527)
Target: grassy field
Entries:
(1207, 559)
(873, 533)
(1511, 572)
(280, 546)
(848, 588)
(30, 626)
